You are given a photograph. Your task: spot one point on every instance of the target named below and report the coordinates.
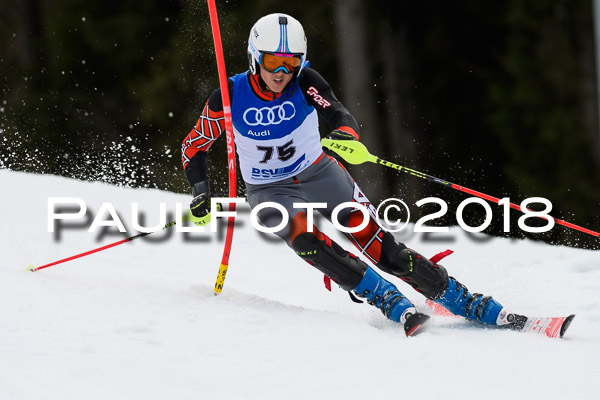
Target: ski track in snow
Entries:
(140, 321)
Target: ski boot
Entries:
(384, 295)
(459, 301)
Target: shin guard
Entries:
(330, 258)
(424, 276)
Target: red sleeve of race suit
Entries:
(319, 94)
(196, 144)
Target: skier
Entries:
(275, 107)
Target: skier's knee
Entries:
(422, 274)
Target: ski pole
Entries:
(108, 246)
(355, 153)
(214, 22)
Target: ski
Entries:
(414, 324)
(552, 327)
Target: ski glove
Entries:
(200, 205)
(338, 134)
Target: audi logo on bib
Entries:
(270, 115)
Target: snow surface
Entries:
(140, 321)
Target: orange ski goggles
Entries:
(275, 62)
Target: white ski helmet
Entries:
(276, 33)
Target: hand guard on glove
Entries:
(338, 134)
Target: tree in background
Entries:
(540, 107)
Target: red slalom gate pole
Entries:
(214, 22)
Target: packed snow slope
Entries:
(140, 321)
